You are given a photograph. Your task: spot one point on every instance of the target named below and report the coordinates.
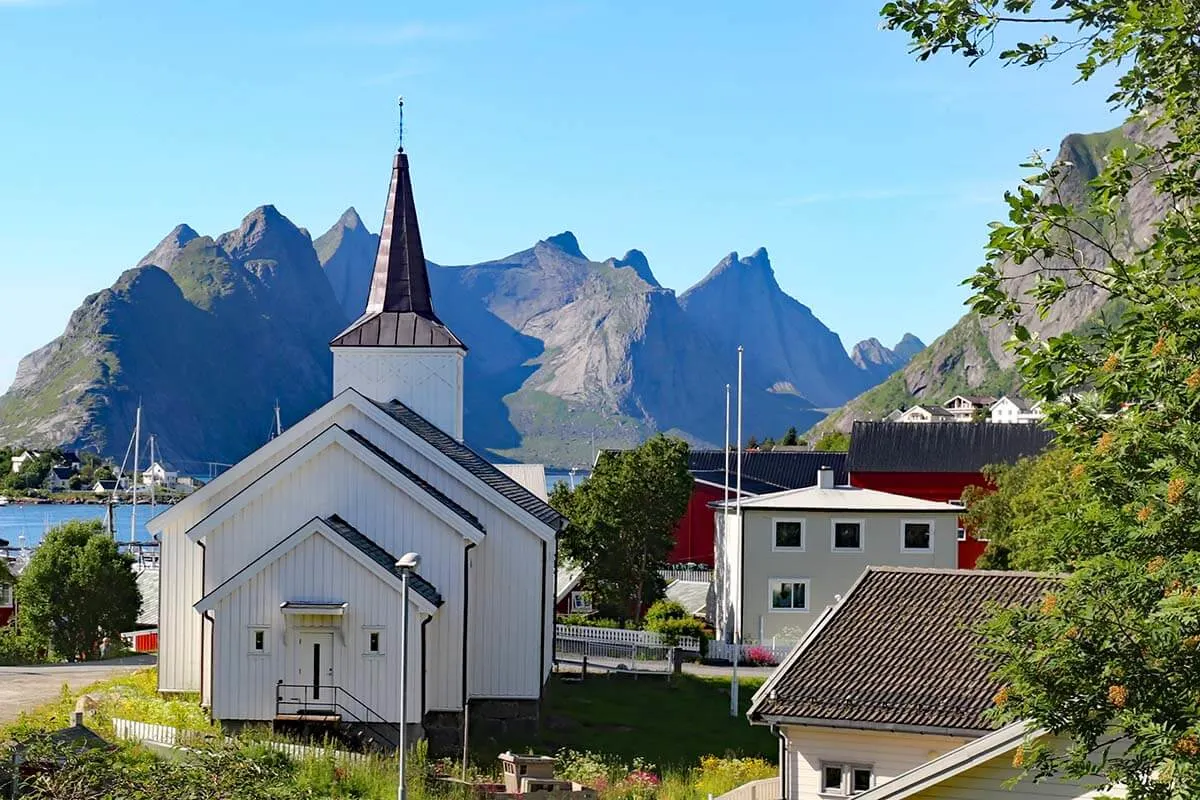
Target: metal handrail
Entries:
(334, 703)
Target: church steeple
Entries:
(399, 349)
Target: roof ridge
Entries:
(964, 571)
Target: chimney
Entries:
(824, 478)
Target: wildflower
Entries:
(1001, 697)
(1019, 757)
(1072, 632)
(1077, 472)
(1144, 514)
(1191, 642)
(1188, 745)
(1111, 363)
(1118, 695)
(1175, 490)
(1155, 564)
(1192, 382)
(1049, 603)
(1104, 443)
(1159, 347)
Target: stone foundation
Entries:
(495, 724)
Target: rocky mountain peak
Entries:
(167, 251)
(350, 220)
(637, 261)
(264, 234)
(908, 346)
(567, 243)
(870, 352)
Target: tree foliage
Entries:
(833, 442)
(76, 590)
(1116, 652)
(1019, 516)
(623, 520)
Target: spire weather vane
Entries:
(400, 125)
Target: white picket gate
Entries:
(148, 733)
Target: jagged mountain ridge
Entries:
(971, 357)
(565, 351)
(871, 356)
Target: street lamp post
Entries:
(407, 565)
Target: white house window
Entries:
(845, 780)
(961, 534)
(372, 641)
(847, 535)
(581, 602)
(789, 594)
(6, 595)
(916, 536)
(260, 642)
(789, 534)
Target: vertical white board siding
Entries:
(888, 754)
(988, 781)
(548, 609)
(506, 631)
(429, 381)
(316, 570)
(179, 624)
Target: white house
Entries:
(1014, 409)
(886, 696)
(19, 461)
(789, 554)
(964, 406)
(926, 413)
(59, 479)
(158, 475)
(280, 596)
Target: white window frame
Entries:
(253, 631)
(932, 531)
(776, 547)
(847, 788)
(6, 595)
(862, 535)
(771, 584)
(960, 534)
(366, 648)
(577, 604)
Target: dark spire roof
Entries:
(399, 309)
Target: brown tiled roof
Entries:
(899, 650)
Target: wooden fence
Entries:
(775, 650)
(167, 736)
(669, 575)
(765, 789)
(623, 636)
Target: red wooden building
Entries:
(938, 461)
(764, 471)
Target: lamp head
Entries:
(409, 562)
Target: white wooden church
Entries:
(279, 591)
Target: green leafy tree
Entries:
(833, 442)
(791, 438)
(76, 590)
(623, 521)
(1021, 514)
(1110, 661)
(752, 443)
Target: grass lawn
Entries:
(668, 724)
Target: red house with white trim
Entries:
(937, 462)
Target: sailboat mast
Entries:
(137, 439)
(278, 421)
(154, 477)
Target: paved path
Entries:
(26, 688)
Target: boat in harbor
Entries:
(3, 500)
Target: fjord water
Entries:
(33, 520)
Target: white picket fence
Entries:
(722, 651)
(669, 575)
(167, 736)
(624, 637)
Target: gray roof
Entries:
(474, 463)
(429, 488)
(382, 557)
(961, 447)
(399, 310)
(900, 650)
(692, 595)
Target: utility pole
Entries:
(737, 623)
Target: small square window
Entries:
(789, 534)
(581, 601)
(831, 780)
(860, 781)
(961, 534)
(847, 535)
(789, 595)
(259, 640)
(917, 536)
(373, 642)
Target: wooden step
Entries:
(310, 716)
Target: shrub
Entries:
(583, 619)
(716, 776)
(664, 610)
(672, 630)
(761, 656)
(15, 648)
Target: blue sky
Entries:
(687, 130)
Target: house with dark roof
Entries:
(937, 462)
(783, 556)
(280, 597)
(59, 478)
(927, 413)
(888, 694)
(763, 472)
(1009, 410)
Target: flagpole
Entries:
(737, 621)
